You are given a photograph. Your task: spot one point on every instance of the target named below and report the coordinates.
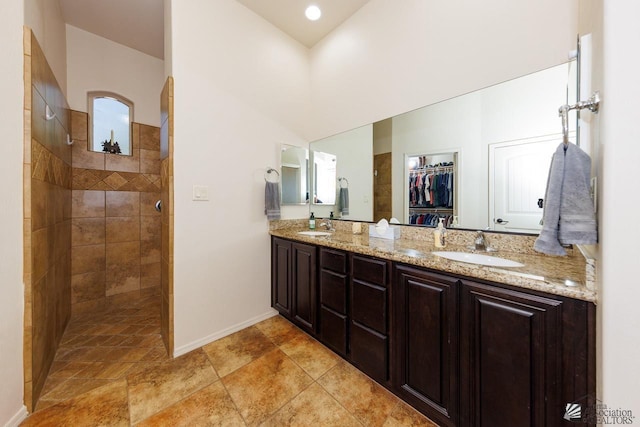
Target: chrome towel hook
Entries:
(592, 104)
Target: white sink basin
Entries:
(315, 233)
(481, 259)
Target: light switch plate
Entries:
(200, 193)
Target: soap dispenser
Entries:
(312, 222)
(439, 235)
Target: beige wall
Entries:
(241, 89)
(393, 57)
(95, 63)
(12, 409)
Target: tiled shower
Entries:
(92, 237)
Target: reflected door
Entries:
(517, 183)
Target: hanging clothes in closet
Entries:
(431, 188)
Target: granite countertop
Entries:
(564, 276)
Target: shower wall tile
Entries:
(150, 227)
(150, 275)
(87, 286)
(82, 157)
(123, 267)
(150, 251)
(87, 259)
(149, 138)
(123, 229)
(47, 218)
(123, 163)
(148, 202)
(88, 204)
(88, 231)
(122, 222)
(122, 203)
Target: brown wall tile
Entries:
(116, 162)
(40, 248)
(39, 198)
(82, 157)
(123, 267)
(88, 231)
(150, 251)
(150, 275)
(87, 286)
(123, 229)
(150, 227)
(86, 259)
(148, 203)
(88, 204)
(79, 126)
(122, 203)
(150, 161)
(149, 138)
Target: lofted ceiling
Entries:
(139, 24)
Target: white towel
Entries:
(272, 200)
(569, 216)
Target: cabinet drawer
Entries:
(333, 260)
(369, 351)
(333, 291)
(333, 330)
(369, 270)
(369, 305)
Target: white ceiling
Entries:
(139, 24)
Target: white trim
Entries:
(18, 418)
(223, 333)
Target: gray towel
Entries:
(569, 217)
(343, 201)
(272, 200)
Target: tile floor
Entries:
(112, 369)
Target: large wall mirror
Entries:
(486, 152)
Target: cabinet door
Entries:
(281, 276)
(510, 357)
(304, 286)
(425, 331)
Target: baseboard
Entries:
(19, 417)
(179, 351)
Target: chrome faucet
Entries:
(480, 242)
(328, 224)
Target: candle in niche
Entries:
(112, 140)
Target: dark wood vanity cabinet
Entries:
(463, 352)
(334, 284)
(426, 345)
(293, 282)
(369, 304)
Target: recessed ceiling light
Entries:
(313, 13)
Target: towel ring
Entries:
(345, 180)
(268, 174)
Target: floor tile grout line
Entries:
(235, 405)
